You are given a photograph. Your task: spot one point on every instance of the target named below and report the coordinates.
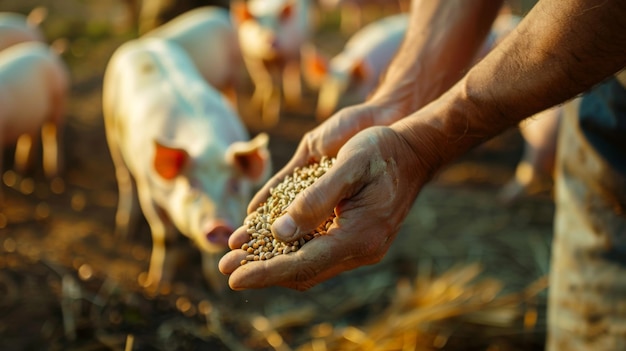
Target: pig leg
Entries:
(50, 147)
(265, 96)
(127, 212)
(128, 205)
(51, 138)
(25, 152)
(351, 17)
(292, 86)
(535, 170)
(163, 234)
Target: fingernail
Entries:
(284, 227)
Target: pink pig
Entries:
(34, 83)
(271, 34)
(356, 71)
(180, 152)
(210, 40)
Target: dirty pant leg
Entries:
(587, 293)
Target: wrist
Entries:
(446, 128)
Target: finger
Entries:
(297, 269)
(238, 237)
(231, 261)
(315, 204)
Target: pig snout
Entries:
(274, 44)
(218, 233)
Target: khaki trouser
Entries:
(587, 294)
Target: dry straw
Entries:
(262, 244)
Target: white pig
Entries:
(209, 38)
(271, 34)
(180, 150)
(34, 84)
(17, 28)
(355, 71)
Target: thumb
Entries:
(312, 206)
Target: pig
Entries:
(209, 38)
(357, 69)
(180, 152)
(34, 84)
(271, 34)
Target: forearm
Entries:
(439, 45)
(560, 49)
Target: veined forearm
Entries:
(440, 43)
(560, 49)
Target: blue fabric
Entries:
(603, 121)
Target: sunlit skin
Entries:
(560, 49)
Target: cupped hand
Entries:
(371, 187)
(327, 138)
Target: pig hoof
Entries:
(147, 282)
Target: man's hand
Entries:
(371, 187)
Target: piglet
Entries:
(357, 69)
(271, 34)
(209, 38)
(180, 152)
(34, 84)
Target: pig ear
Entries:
(250, 158)
(314, 65)
(240, 11)
(169, 161)
(287, 10)
(359, 71)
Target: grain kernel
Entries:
(263, 245)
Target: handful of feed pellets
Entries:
(262, 244)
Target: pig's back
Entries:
(375, 45)
(209, 38)
(381, 37)
(162, 94)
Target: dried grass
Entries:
(424, 314)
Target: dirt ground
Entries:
(66, 283)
